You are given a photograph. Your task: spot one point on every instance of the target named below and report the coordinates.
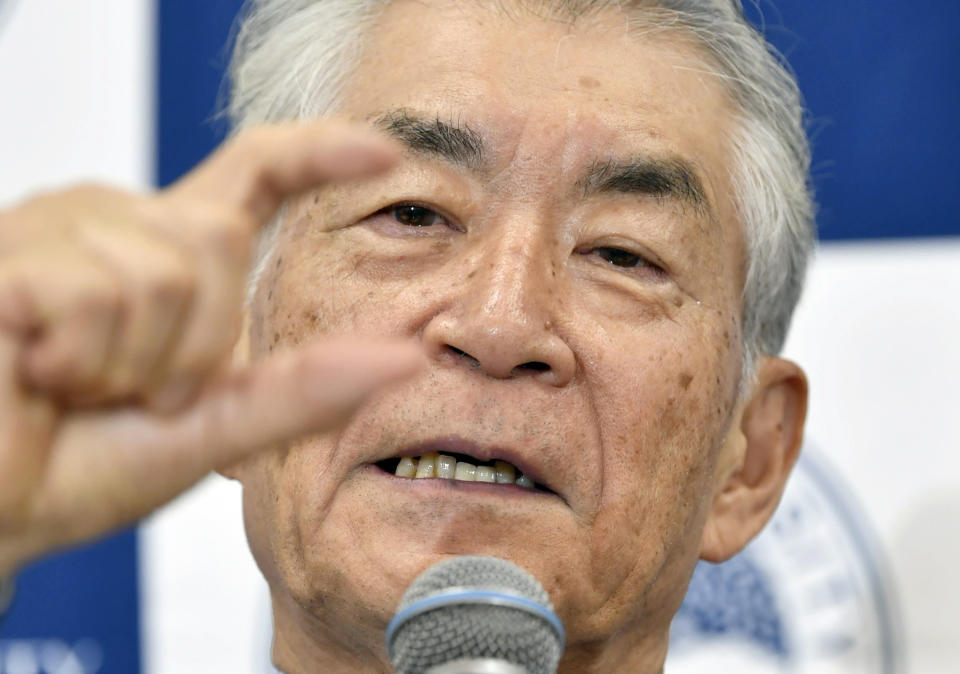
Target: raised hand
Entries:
(118, 313)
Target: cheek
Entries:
(671, 388)
(311, 290)
(661, 434)
(270, 540)
(284, 500)
(662, 449)
(688, 391)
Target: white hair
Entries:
(292, 57)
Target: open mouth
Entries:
(459, 467)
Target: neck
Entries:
(304, 643)
(633, 649)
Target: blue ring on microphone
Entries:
(477, 597)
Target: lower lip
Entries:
(442, 486)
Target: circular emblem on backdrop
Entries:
(810, 595)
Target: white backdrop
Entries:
(76, 94)
(879, 332)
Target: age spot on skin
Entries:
(685, 379)
(588, 82)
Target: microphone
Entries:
(475, 615)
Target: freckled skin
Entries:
(643, 370)
(589, 82)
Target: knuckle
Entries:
(78, 369)
(103, 301)
(120, 382)
(252, 141)
(206, 354)
(175, 284)
(226, 234)
(248, 148)
(64, 368)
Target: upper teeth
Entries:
(447, 467)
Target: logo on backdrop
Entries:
(810, 594)
(50, 656)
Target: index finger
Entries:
(256, 171)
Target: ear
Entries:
(239, 359)
(761, 448)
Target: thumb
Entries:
(288, 396)
(110, 467)
(139, 459)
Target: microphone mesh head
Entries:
(475, 631)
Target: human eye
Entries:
(413, 215)
(405, 219)
(620, 257)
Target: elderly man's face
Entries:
(561, 239)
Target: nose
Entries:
(501, 319)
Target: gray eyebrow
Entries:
(664, 178)
(669, 177)
(454, 142)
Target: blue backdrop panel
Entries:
(82, 604)
(880, 79)
(193, 54)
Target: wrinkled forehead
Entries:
(549, 97)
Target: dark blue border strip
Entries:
(89, 593)
(879, 77)
(192, 54)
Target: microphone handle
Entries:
(477, 666)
